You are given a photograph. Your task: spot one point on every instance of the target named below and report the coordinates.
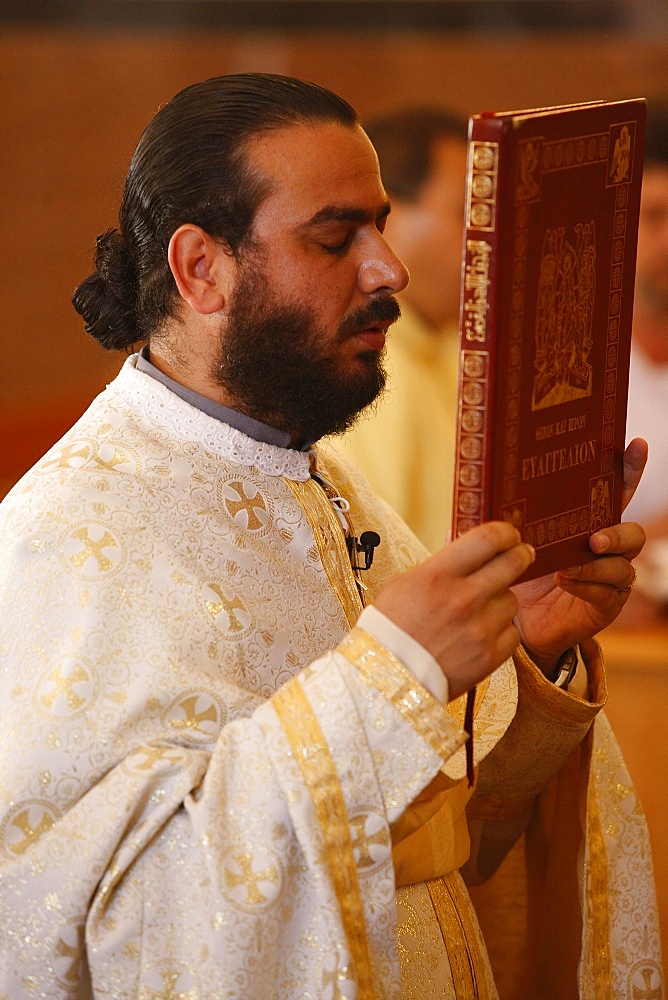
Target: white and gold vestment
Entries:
(211, 781)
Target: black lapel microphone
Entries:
(366, 543)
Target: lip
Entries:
(373, 337)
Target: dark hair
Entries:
(404, 141)
(656, 147)
(190, 166)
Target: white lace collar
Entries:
(163, 408)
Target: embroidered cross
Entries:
(152, 755)
(30, 833)
(649, 992)
(169, 992)
(118, 458)
(250, 505)
(65, 686)
(215, 607)
(69, 451)
(193, 718)
(332, 978)
(249, 878)
(92, 549)
(72, 952)
(362, 842)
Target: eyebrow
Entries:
(346, 213)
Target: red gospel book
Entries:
(545, 331)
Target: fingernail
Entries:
(602, 542)
(573, 571)
(532, 551)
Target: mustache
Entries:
(385, 310)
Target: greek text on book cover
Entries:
(547, 297)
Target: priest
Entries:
(233, 742)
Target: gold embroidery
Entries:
(70, 451)
(170, 992)
(365, 840)
(194, 718)
(332, 978)
(61, 684)
(453, 911)
(152, 755)
(425, 969)
(572, 709)
(319, 772)
(229, 606)
(92, 549)
(31, 831)
(250, 878)
(247, 504)
(382, 670)
(118, 458)
(650, 987)
(69, 957)
(598, 903)
(331, 544)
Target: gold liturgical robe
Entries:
(214, 784)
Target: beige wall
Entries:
(75, 101)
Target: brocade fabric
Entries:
(207, 768)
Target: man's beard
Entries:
(277, 365)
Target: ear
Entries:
(202, 269)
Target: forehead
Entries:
(316, 166)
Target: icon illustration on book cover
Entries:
(548, 261)
(564, 312)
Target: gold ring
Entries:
(625, 590)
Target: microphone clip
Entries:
(366, 543)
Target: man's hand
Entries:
(558, 612)
(458, 604)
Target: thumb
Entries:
(635, 458)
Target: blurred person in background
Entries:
(648, 383)
(405, 444)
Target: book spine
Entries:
(477, 328)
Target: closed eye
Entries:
(336, 248)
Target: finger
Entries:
(507, 643)
(483, 650)
(604, 602)
(615, 572)
(635, 458)
(499, 612)
(471, 551)
(625, 539)
(504, 634)
(501, 572)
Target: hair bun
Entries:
(106, 299)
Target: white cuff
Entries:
(407, 649)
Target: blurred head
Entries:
(651, 295)
(422, 154)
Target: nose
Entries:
(381, 270)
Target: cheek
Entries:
(329, 305)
